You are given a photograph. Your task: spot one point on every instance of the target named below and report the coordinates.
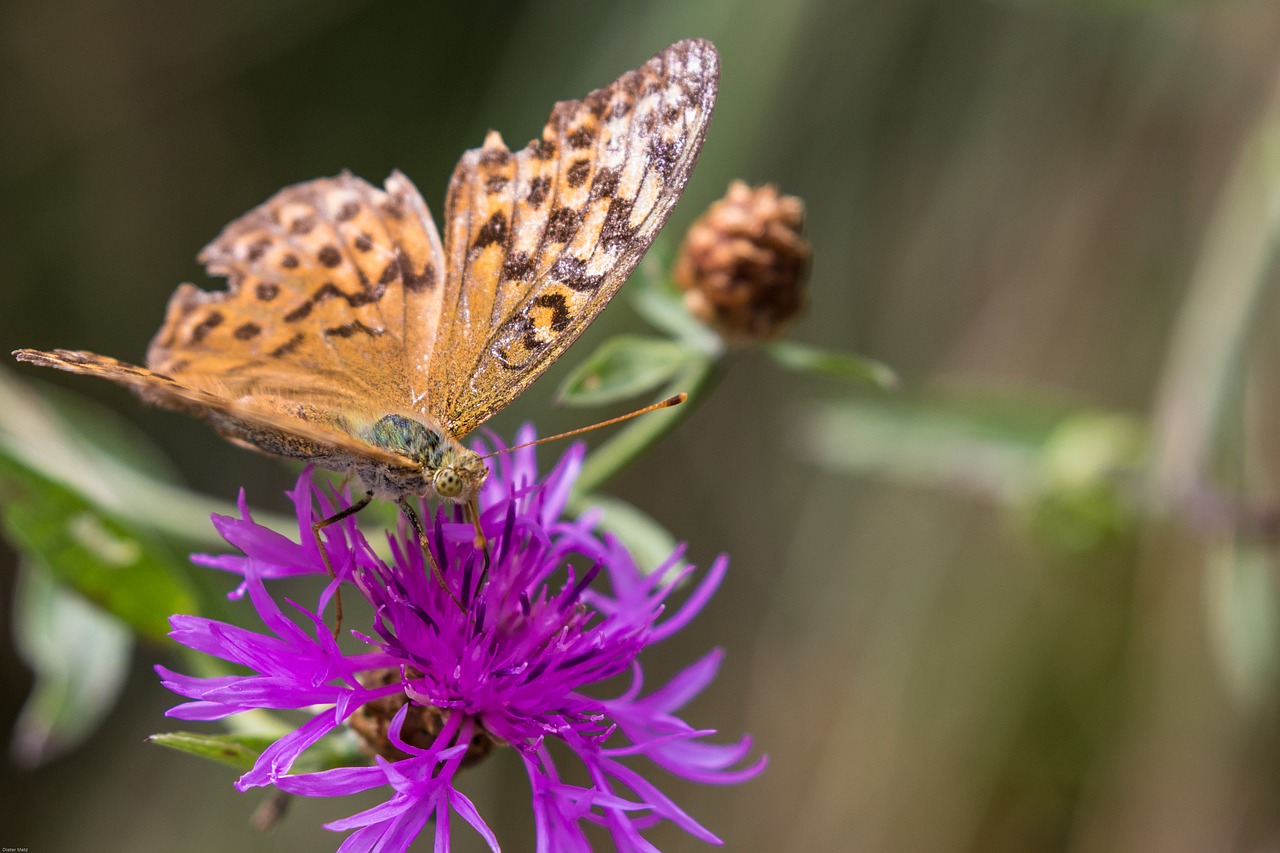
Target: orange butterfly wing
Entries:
(538, 241)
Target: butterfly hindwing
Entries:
(333, 293)
(538, 241)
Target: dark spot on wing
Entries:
(525, 331)
(578, 173)
(605, 183)
(519, 265)
(573, 273)
(248, 331)
(258, 248)
(205, 326)
(559, 309)
(391, 270)
(288, 346)
(582, 137)
(289, 261)
(329, 256)
(348, 329)
(417, 282)
(494, 157)
(267, 290)
(328, 290)
(597, 103)
(363, 242)
(495, 183)
(348, 211)
(662, 156)
(561, 224)
(303, 224)
(298, 313)
(538, 190)
(617, 226)
(493, 231)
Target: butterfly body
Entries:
(445, 468)
(352, 336)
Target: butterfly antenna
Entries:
(675, 400)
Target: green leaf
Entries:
(624, 367)
(647, 540)
(241, 749)
(662, 306)
(112, 563)
(83, 447)
(806, 359)
(79, 657)
(989, 447)
(238, 750)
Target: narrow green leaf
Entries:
(806, 359)
(241, 749)
(238, 750)
(79, 657)
(110, 562)
(624, 367)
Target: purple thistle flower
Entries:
(436, 688)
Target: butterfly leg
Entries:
(426, 549)
(471, 510)
(316, 527)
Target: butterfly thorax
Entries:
(440, 465)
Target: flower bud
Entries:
(743, 263)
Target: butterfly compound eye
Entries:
(447, 483)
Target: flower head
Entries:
(435, 687)
(743, 263)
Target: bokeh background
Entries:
(1026, 601)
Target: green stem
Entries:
(608, 459)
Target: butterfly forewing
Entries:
(538, 241)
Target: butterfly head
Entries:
(459, 475)
(436, 463)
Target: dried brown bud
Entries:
(372, 722)
(743, 263)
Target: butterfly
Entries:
(352, 336)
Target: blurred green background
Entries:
(1027, 601)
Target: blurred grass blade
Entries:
(1241, 599)
(624, 367)
(79, 657)
(806, 359)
